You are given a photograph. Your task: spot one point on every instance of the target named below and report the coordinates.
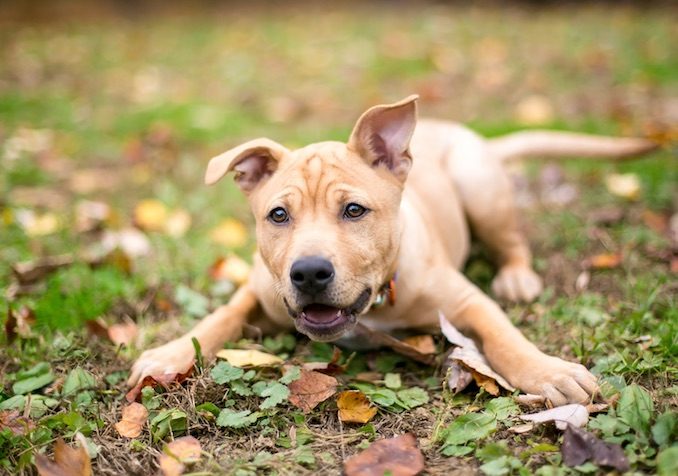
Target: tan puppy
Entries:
(335, 222)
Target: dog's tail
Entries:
(552, 144)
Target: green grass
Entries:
(153, 100)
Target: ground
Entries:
(124, 108)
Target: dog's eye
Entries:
(278, 216)
(353, 210)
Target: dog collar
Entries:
(387, 294)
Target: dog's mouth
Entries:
(323, 322)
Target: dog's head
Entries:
(327, 215)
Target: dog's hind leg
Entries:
(224, 324)
(486, 193)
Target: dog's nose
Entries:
(311, 274)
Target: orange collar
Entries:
(387, 293)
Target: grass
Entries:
(118, 111)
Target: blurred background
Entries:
(109, 111)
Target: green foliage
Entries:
(170, 422)
(32, 379)
(223, 372)
(232, 419)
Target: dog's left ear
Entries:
(382, 136)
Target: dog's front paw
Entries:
(176, 356)
(517, 283)
(560, 381)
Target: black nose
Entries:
(311, 274)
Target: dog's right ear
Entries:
(252, 161)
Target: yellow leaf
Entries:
(623, 185)
(423, 343)
(150, 215)
(230, 233)
(248, 358)
(178, 222)
(232, 268)
(354, 407)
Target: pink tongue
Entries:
(320, 313)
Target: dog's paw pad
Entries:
(517, 283)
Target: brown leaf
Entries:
(485, 382)
(580, 446)
(163, 380)
(16, 423)
(423, 343)
(19, 323)
(379, 338)
(134, 417)
(123, 333)
(604, 261)
(232, 268)
(354, 407)
(67, 461)
(658, 222)
(29, 272)
(310, 389)
(530, 400)
(177, 454)
(458, 377)
(400, 456)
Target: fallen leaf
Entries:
(35, 224)
(91, 215)
(354, 407)
(17, 424)
(67, 461)
(423, 343)
(534, 110)
(596, 407)
(580, 446)
(530, 400)
(28, 272)
(229, 233)
(399, 456)
(624, 185)
(232, 268)
(87, 181)
(378, 338)
(469, 356)
(458, 377)
(520, 429)
(19, 323)
(134, 417)
(120, 334)
(163, 380)
(150, 215)
(310, 389)
(658, 222)
(574, 414)
(604, 261)
(178, 222)
(178, 454)
(249, 358)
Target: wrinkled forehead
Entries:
(318, 174)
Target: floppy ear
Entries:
(382, 135)
(252, 161)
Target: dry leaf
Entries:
(35, 224)
(470, 357)
(17, 424)
(310, 389)
(623, 185)
(573, 414)
(520, 429)
(151, 215)
(530, 400)
(163, 380)
(232, 268)
(230, 233)
(28, 272)
(658, 222)
(178, 223)
(354, 407)
(378, 338)
(580, 446)
(177, 454)
(249, 358)
(90, 215)
(534, 111)
(400, 456)
(86, 181)
(67, 461)
(19, 323)
(133, 419)
(458, 378)
(120, 334)
(604, 261)
(596, 407)
(423, 343)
